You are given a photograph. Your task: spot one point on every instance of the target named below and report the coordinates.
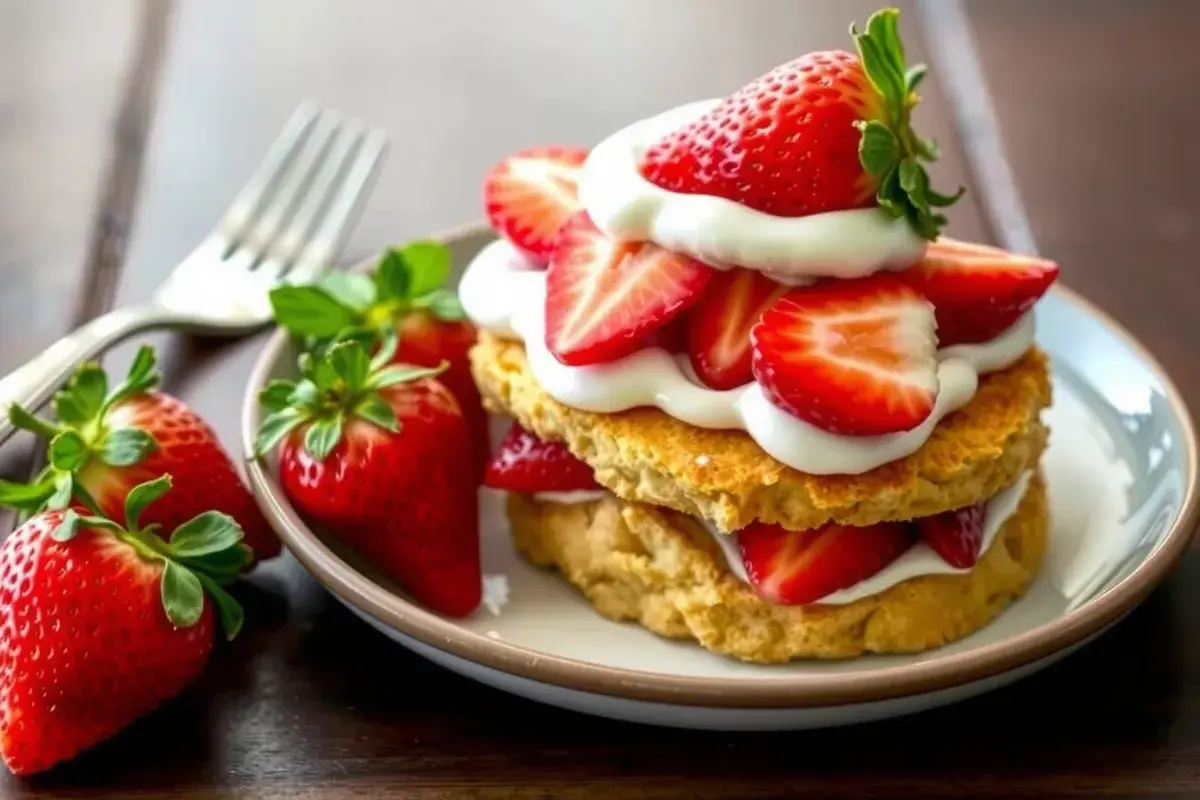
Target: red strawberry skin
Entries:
(785, 144)
(407, 501)
(530, 194)
(204, 476)
(720, 322)
(525, 464)
(801, 567)
(978, 291)
(85, 645)
(956, 536)
(425, 341)
(604, 298)
(853, 357)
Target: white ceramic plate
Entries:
(1122, 473)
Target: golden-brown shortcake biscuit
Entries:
(663, 570)
(646, 456)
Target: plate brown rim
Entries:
(935, 674)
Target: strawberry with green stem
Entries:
(104, 441)
(828, 131)
(379, 454)
(405, 293)
(101, 622)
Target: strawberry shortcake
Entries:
(759, 400)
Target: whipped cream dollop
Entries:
(571, 497)
(723, 233)
(503, 294)
(918, 560)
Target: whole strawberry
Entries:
(378, 453)
(101, 623)
(104, 442)
(405, 292)
(828, 131)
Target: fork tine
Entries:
(292, 186)
(326, 245)
(288, 245)
(279, 155)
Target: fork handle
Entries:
(33, 383)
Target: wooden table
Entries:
(125, 128)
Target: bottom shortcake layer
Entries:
(663, 570)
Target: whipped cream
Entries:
(918, 560)
(503, 294)
(571, 497)
(721, 232)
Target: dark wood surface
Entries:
(1094, 114)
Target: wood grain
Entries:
(310, 703)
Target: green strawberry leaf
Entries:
(277, 395)
(392, 277)
(375, 409)
(322, 436)
(205, 534)
(310, 311)
(428, 266)
(878, 149)
(142, 496)
(882, 56)
(223, 566)
(388, 342)
(67, 529)
(914, 76)
(915, 183)
(351, 364)
(275, 428)
(882, 28)
(889, 194)
(939, 200)
(22, 419)
(89, 385)
(64, 484)
(404, 373)
(141, 378)
(349, 288)
(228, 610)
(69, 409)
(889, 147)
(68, 451)
(182, 595)
(124, 447)
(445, 305)
(26, 496)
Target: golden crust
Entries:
(645, 456)
(663, 570)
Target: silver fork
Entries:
(287, 225)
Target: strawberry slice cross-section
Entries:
(978, 291)
(852, 357)
(719, 325)
(800, 567)
(604, 297)
(530, 194)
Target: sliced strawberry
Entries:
(603, 297)
(854, 357)
(672, 337)
(798, 567)
(526, 464)
(956, 535)
(720, 323)
(530, 194)
(978, 291)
